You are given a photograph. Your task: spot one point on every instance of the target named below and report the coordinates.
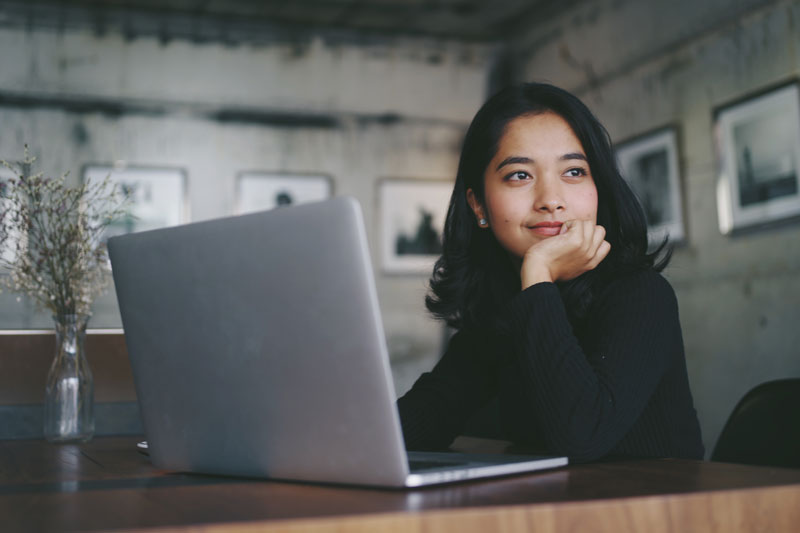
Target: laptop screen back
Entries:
(257, 346)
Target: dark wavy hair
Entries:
(474, 275)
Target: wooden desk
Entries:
(107, 485)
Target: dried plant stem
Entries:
(52, 234)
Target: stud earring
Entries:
(482, 222)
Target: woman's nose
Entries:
(548, 197)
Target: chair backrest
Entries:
(764, 427)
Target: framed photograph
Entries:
(412, 214)
(650, 165)
(258, 191)
(159, 196)
(758, 144)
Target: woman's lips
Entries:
(547, 229)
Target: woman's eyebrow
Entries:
(516, 159)
(512, 160)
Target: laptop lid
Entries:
(257, 349)
(257, 346)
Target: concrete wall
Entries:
(362, 111)
(644, 65)
(359, 112)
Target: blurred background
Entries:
(211, 108)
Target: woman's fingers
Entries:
(602, 252)
(579, 247)
(599, 247)
(586, 236)
(598, 238)
(589, 229)
(592, 246)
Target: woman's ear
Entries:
(477, 208)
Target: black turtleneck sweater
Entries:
(613, 383)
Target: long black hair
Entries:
(474, 276)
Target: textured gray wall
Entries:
(638, 64)
(641, 65)
(357, 111)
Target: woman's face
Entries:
(538, 179)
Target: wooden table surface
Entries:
(107, 484)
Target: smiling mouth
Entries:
(547, 228)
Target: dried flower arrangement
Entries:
(50, 237)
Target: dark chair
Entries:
(764, 427)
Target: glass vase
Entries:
(69, 393)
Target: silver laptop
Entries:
(257, 350)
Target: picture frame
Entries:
(650, 163)
(259, 191)
(412, 215)
(159, 196)
(758, 154)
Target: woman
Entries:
(563, 322)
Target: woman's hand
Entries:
(578, 248)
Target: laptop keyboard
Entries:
(417, 465)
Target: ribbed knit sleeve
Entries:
(434, 411)
(614, 383)
(585, 402)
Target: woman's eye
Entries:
(519, 175)
(575, 172)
